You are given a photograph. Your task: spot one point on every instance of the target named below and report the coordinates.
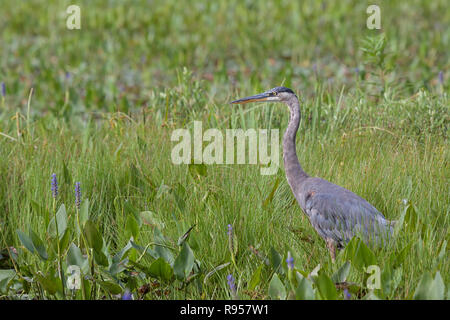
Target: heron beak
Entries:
(258, 97)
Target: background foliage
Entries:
(105, 99)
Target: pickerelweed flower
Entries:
(230, 230)
(231, 284)
(3, 89)
(77, 195)
(54, 186)
(127, 295)
(441, 78)
(290, 262)
(347, 295)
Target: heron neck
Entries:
(294, 171)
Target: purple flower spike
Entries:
(441, 78)
(3, 89)
(127, 295)
(231, 284)
(290, 262)
(54, 186)
(347, 295)
(230, 229)
(77, 195)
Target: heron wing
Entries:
(344, 215)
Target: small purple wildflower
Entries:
(357, 70)
(441, 78)
(68, 75)
(231, 284)
(127, 295)
(3, 85)
(347, 295)
(77, 195)
(290, 262)
(230, 230)
(54, 186)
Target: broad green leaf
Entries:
(359, 254)
(140, 267)
(61, 217)
(277, 291)
(275, 260)
(164, 253)
(390, 279)
(93, 237)
(141, 249)
(256, 278)
(84, 212)
(118, 267)
(26, 241)
(326, 287)
(119, 255)
(5, 277)
(161, 269)
(184, 262)
(38, 245)
(429, 288)
(111, 287)
(422, 290)
(304, 290)
(65, 240)
(193, 242)
(160, 250)
(100, 258)
(75, 257)
(342, 273)
(50, 283)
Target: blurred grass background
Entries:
(107, 97)
(126, 49)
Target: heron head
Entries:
(277, 94)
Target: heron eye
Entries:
(274, 93)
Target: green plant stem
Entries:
(61, 274)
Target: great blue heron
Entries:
(336, 213)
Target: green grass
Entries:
(137, 72)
